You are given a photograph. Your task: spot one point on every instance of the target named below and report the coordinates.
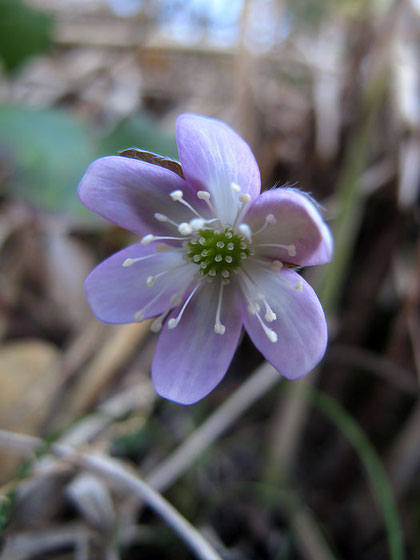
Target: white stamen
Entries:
(185, 229)
(253, 310)
(139, 315)
(212, 272)
(269, 316)
(225, 273)
(203, 195)
(173, 322)
(197, 223)
(235, 188)
(269, 221)
(230, 246)
(176, 195)
(245, 199)
(161, 217)
(219, 328)
(218, 258)
(291, 249)
(245, 230)
(228, 259)
(150, 281)
(130, 261)
(299, 286)
(276, 265)
(147, 239)
(220, 244)
(156, 326)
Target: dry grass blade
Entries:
(121, 476)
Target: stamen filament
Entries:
(291, 249)
(158, 322)
(173, 322)
(204, 195)
(139, 315)
(219, 328)
(130, 261)
(149, 238)
(271, 335)
(269, 220)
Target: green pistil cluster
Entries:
(217, 252)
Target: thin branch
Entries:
(119, 474)
(184, 456)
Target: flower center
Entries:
(217, 253)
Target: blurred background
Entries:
(327, 93)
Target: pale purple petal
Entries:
(300, 324)
(129, 192)
(191, 359)
(212, 157)
(115, 292)
(298, 224)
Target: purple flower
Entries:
(214, 255)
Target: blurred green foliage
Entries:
(48, 151)
(23, 32)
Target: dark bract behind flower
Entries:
(211, 258)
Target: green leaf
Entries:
(23, 32)
(48, 152)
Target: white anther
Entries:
(219, 328)
(243, 256)
(230, 246)
(270, 219)
(220, 244)
(245, 198)
(185, 229)
(138, 316)
(271, 335)
(176, 195)
(291, 249)
(225, 273)
(172, 323)
(150, 281)
(245, 230)
(161, 217)
(202, 240)
(196, 258)
(269, 316)
(235, 187)
(228, 259)
(212, 272)
(147, 239)
(197, 223)
(203, 195)
(204, 253)
(156, 326)
(228, 235)
(218, 258)
(276, 265)
(299, 286)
